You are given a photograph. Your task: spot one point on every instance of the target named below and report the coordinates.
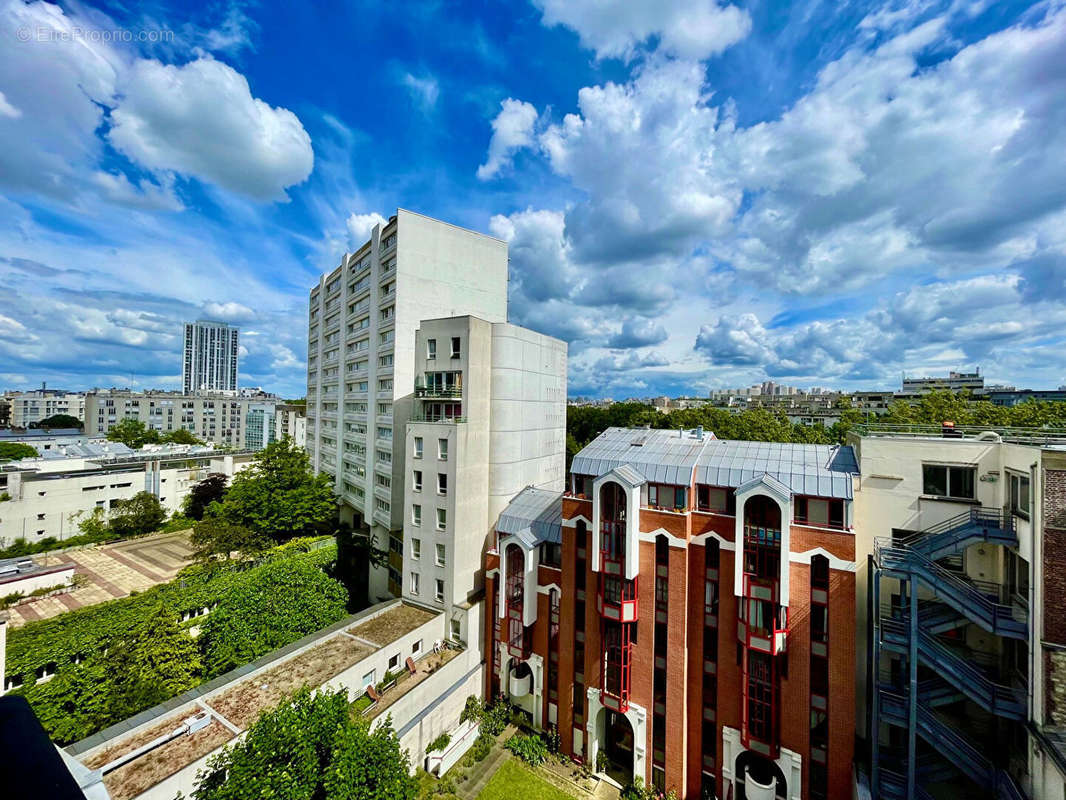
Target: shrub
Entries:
(473, 709)
(530, 748)
(482, 746)
(495, 718)
(440, 743)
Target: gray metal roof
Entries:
(533, 516)
(679, 457)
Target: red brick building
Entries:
(681, 612)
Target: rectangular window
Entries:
(442, 483)
(431, 348)
(368, 679)
(943, 481)
(442, 519)
(440, 555)
(416, 515)
(455, 347)
(442, 449)
(1019, 494)
(418, 447)
(416, 648)
(440, 591)
(416, 481)
(716, 498)
(414, 583)
(416, 549)
(394, 662)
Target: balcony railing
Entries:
(438, 391)
(437, 418)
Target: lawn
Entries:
(515, 780)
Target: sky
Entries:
(696, 194)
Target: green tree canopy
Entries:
(289, 600)
(157, 661)
(13, 451)
(213, 538)
(308, 748)
(279, 496)
(142, 513)
(203, 493)
(59, 421)
(180, 436)
(133, 433)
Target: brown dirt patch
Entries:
(242, 704)
(144, 772)
(388, 627)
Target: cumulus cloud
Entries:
(512, 130)
(638, 332)
(201, 119)
(687, 28)
(8, 110)
(228, 312)
(360, 226)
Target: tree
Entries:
(279, 496)
(311, 747)
(210, 490)
(157, 661)
(142, 513)
(59, 421)
(181, 436)
(13, 451)
(212, 538)
(288, 600)
(133, 433)
(356, 554)
(94, 524)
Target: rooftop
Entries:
(534, 516)
(683, 457)
(1055, 437)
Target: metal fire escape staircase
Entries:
(914, 629)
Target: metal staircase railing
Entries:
(996, 618)
(954, 534)
(1003, 701)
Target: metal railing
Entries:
(436, 418)
(991, 525)
(1043, 435)
(432, 391)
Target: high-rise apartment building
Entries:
(685, 613)
(221, 418)
(962, 665)
(489, 420)
(361, 354)
(209, 362)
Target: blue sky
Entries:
(696, 194)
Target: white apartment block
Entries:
(221, 419)
(29, 408)
(290, 420)
(361, 353)
(489, 420)
(209, 357)
(49, 496)
(961, 651)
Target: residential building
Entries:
(259, 426)
(209, 357)
(961, 671)
(361, 358)
(5, 411)
(681, 612)
(219, 418)
(50, 495)
(954, 382)
(29, 408)
(1014, 397)
(489, 420)
(290, 419)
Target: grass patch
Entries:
(515, 780)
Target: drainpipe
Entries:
(3, 655)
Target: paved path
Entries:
(109, 571)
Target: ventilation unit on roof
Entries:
(639, 441)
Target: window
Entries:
(416, 515)
(394, 662)
(416, 648)
(440, 555)
(418, 447)
(717, 499)
(1019, 494)
(368, 679)
(431, 349)
(417, 480)
(818, 511)
(442, 449)
(414, 583)
(442, 483)
(455, 347)
(440, 591)
(442, 519)
(416, 548)
(944, 481)
(668, 497)
(456, 630)
(551, 554)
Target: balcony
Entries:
(436, 418)
(450, 392)
(762, 624)
(617, 599)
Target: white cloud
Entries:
(360, 226)
(200, 119)
(424, 90)
(228, 312)
(145, 195)
(687, 28)
(8, 110)
(512, 130)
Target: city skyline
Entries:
(804, 201)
